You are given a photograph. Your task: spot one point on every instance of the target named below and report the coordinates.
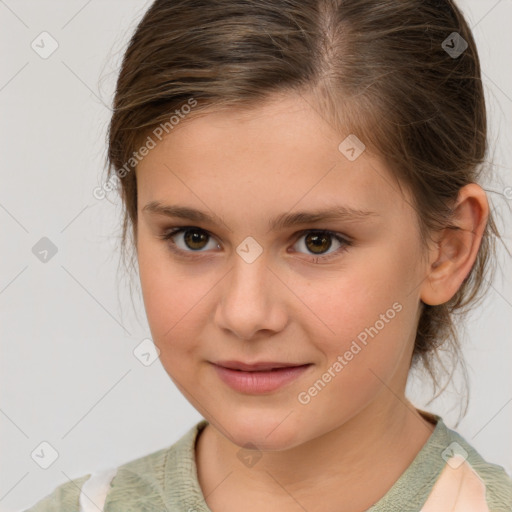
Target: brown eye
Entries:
(195, 239)
(318, 243)
(189, 239)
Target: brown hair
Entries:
(380, 70)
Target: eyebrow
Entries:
(282, 221)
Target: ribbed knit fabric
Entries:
(166, 480)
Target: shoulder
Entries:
(133, 485)
(65, 497)
(157, 480)
(496, 481)
(139, 477)
(469, 481)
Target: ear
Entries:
(455, 251)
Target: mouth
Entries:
(263, 366)
(258, 378)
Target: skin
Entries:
(354, 439)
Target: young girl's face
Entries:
(239, 284)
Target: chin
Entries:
(266, 431)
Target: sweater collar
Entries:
(183, 492)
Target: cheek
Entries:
(171, 306)
(171, 297)
(367, 318)
(367, 355)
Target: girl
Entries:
(300, 188)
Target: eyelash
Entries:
(169, 234)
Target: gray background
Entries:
(68, 328)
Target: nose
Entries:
(252, 301)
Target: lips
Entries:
(257, 367)
(259, 378)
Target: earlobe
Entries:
(456, 247)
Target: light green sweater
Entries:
(166, 480)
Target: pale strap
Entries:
(458, 489)
(94, 490)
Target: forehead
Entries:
(279, 155)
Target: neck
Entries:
(365, 455)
